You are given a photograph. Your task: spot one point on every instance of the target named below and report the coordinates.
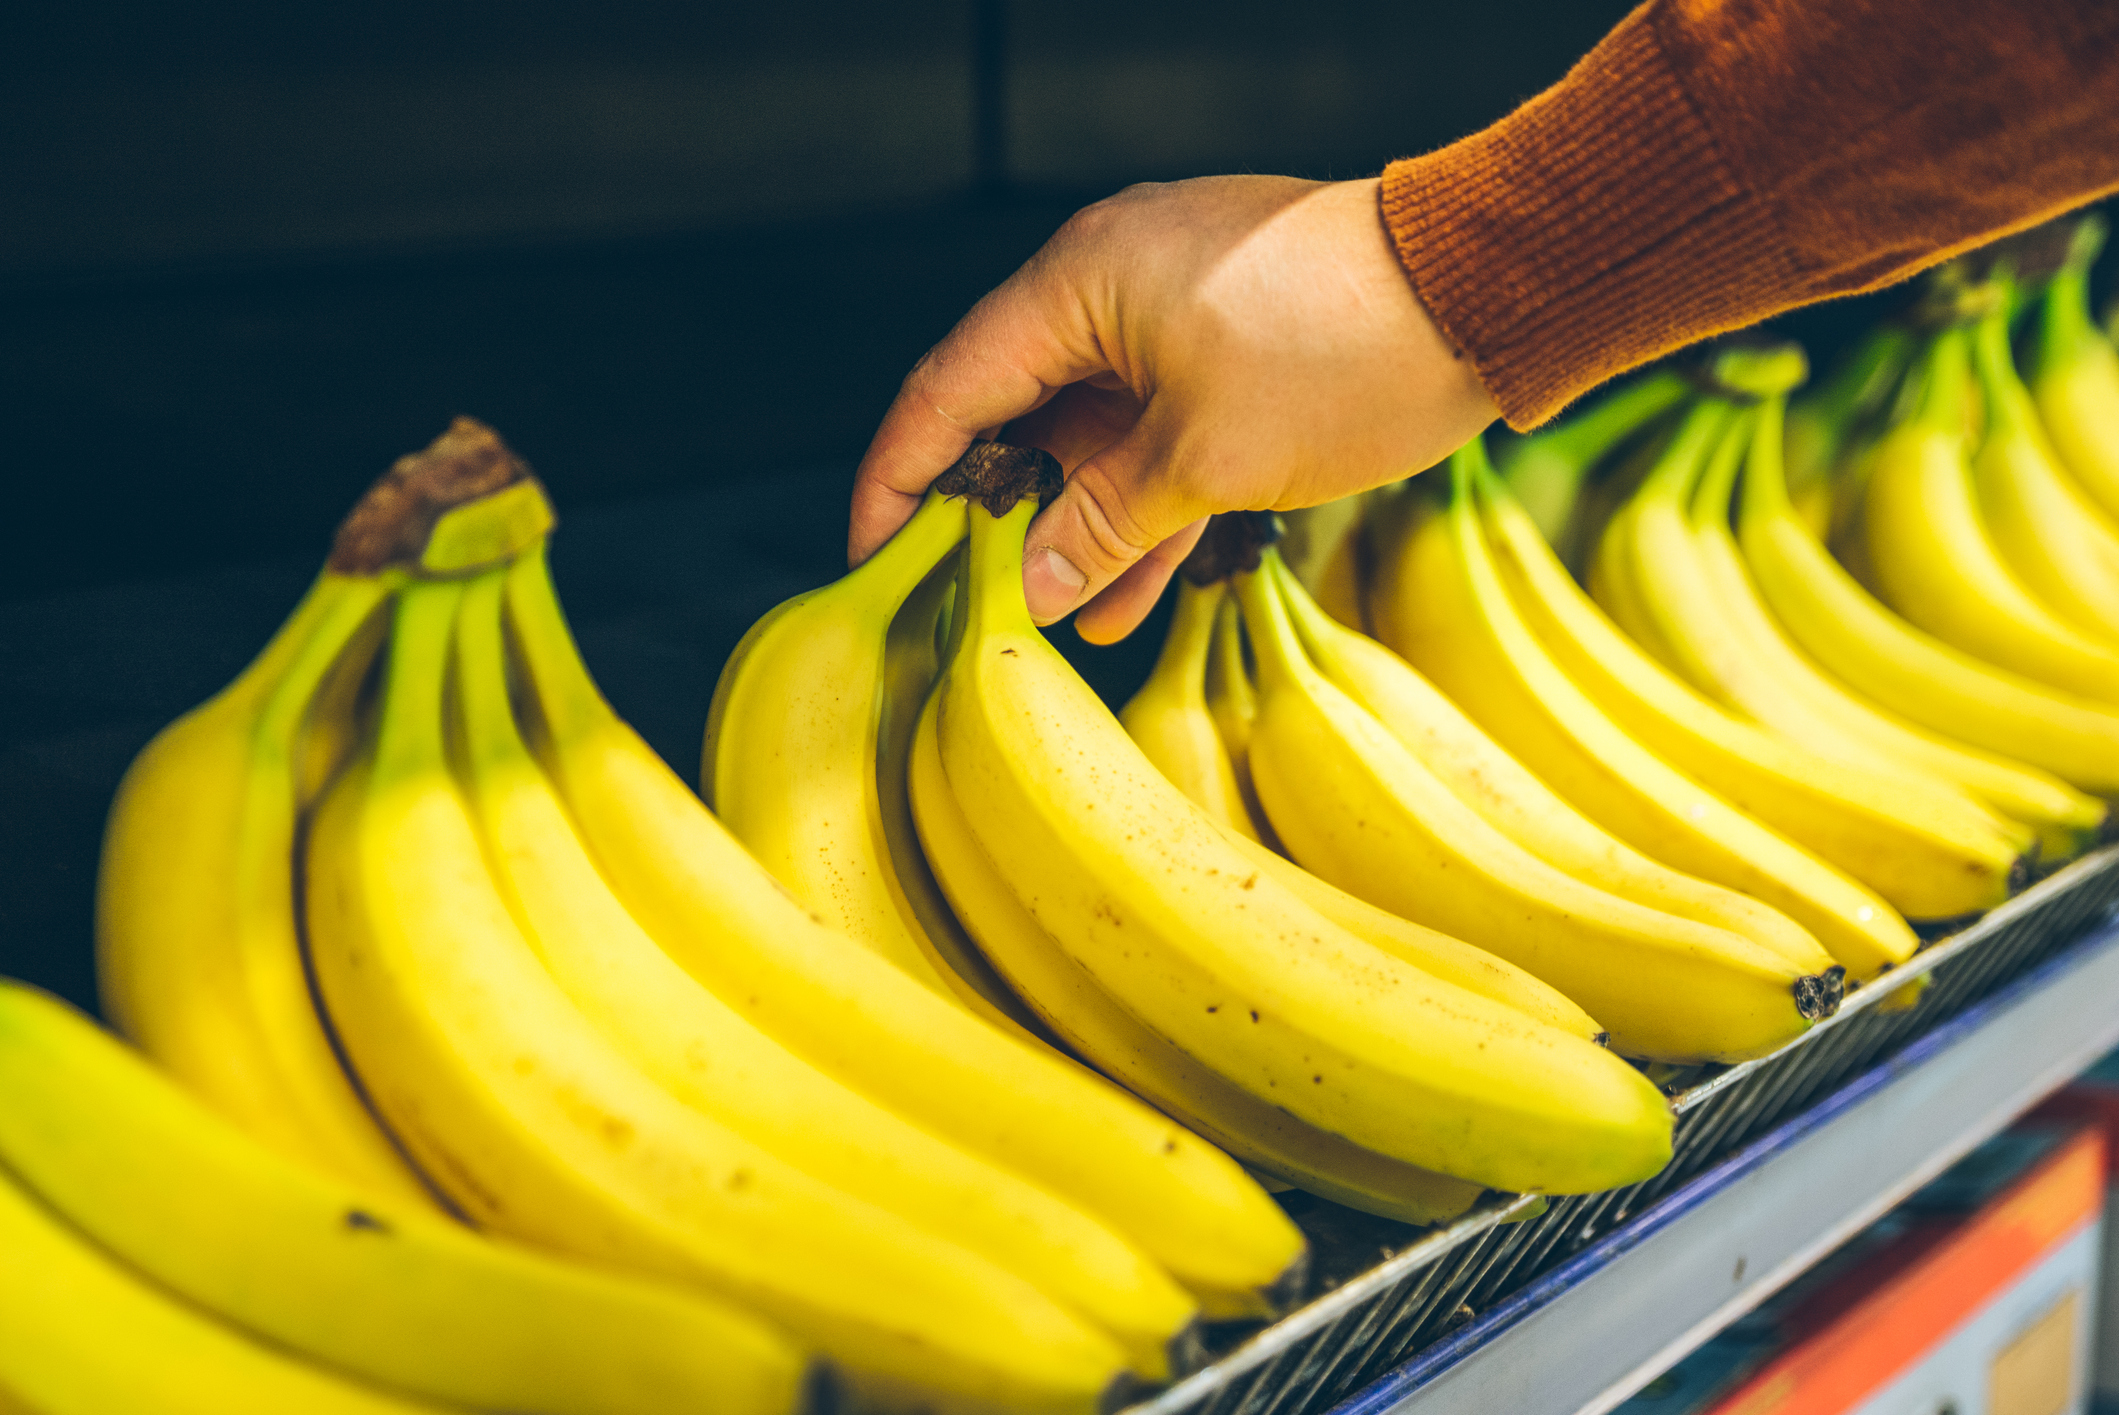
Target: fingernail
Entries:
(1051, 584)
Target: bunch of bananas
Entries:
(234, 1231)
(920, 767)
(1719, 694)
(937, 1055)
(1903, 571)
(426, 935)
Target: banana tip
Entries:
(1818, 995)
(1119, 1394)
(1187, 1350)
(1286, 1290)
(822, 1392)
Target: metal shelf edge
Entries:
(2010, 1048)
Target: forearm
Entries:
(1709, 165)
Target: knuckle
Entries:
(925, 368)
(1114, 535)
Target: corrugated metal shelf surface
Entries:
(1571, 1307)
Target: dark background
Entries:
(679, 254)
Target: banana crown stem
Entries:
(1673, 476)
(1758, 371)
(490, 736)
(885, 580)
(1585, 438)
(2009, 412)
(571, 705)
(996, 604)
(1765, 492)
(2064, 323)
(345, 603)
(1939, 387)
(1465, 465)
(1183, 660)
(411, 742)
(1281, 660)
(1710, 501)
(1862, 382)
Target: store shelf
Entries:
(1590, 1333)
(1521, 1307)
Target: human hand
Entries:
(1228, 343)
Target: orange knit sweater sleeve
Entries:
(1713, 162)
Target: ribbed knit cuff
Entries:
(1593, 229)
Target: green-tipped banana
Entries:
(1171, 722)
(1821, 420)
(1930, 850)
(1723, 639)
(1933, 559)
(2075, 376)
(1441, 602)
(1546, 469)
(2047, 529)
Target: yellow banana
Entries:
(726, 922)
(2044, 525)
(1612, 583)
(1855, 637)
(1262, 1135)
(1143, 892)
(1232, 701)
(2075, 376)
(707, 1055)
(1515, 802)
(793, 743)
(1442, 604)
(912, 659)
(1735, 651)
(80, 1334)
(1436, 954)
(2033, 803)
(1934, 561)
(197, 947)
(1930, 850)
(1169, 719)
(1360, 810)
(380, 1290)
(1447, 958)
(538, 1127)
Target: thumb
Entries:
(1103, 521)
